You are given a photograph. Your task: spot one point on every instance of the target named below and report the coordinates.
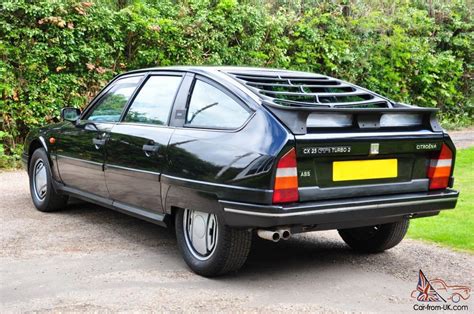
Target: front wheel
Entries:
(209, 247)
(44, 196)
(374, 239)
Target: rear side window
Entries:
(109, 108)
(153, 102)
(210, 107)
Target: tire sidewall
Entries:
(38, 154)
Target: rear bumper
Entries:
(344, 213)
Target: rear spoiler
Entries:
(295, 118)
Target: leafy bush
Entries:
(57, 53)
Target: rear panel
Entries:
(379, 164)
(350, 142)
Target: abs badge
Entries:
(374, 148)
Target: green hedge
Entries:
(58, 53)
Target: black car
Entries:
(226, 153)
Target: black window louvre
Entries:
(310, 91)
(282, 84)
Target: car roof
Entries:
(230, 70)
(287, 87)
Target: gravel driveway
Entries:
(89, 258)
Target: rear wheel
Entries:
(376, 238)
(44, 196)
(208, 246)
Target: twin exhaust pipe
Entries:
(274, 235)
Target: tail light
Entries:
(285, 189)
(439, 170)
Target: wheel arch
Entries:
(35, 144)
(198, 200)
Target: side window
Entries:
(209, 107)
(109, 108)
(153, 102)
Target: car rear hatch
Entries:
(337, 165)
(349, 141)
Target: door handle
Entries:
(98, 142)
(151, 149)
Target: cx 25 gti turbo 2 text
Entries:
(226, 153)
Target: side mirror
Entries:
(70, 114)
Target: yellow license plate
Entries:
(364, 169)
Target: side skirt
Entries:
(156, 218)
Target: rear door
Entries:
(80, 147)
(137, 147)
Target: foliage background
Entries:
(55, 53)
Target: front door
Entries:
(137, 147)
(80, 147)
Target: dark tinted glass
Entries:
(153, 102)
(110, 106)
(211, 108)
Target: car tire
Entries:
(44, 196)
(225, 249)
(375, 239)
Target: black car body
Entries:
(276, 151)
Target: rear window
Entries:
(210, 107)
(153, 102)
(312, 90)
